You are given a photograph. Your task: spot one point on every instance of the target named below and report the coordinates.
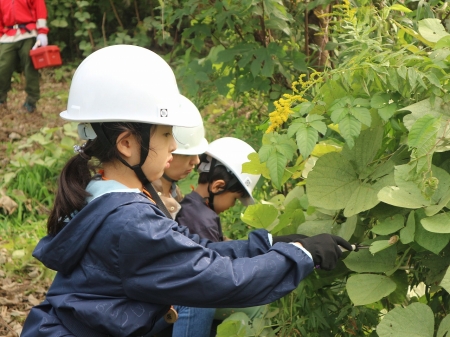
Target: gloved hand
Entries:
(324, 249)
(288, 238)
(41, 41)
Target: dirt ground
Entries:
(15, 125)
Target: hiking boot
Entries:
(29, 107)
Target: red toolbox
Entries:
(44, 57)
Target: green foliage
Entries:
(28, 184)
(385, 106)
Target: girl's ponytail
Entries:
(71, 194)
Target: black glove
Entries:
(288, 238)
(324, 249)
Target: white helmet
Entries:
(125, 83)
(190, 141)
(232, 153)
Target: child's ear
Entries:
(125, 143)
(217, 186)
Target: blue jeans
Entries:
(192, 322)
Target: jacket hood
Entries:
(63, 251)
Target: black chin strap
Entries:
(145, 134)
(173, 188)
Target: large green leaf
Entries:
(369, 288)
(416, 320)
(444, 327)
(439, 223)
(260, 216)
(364, 197)
(366, 147)
(438, 109)
(445, 283)
(364, 262)
(315, 227)
(432, 29)
(406, 194)
(332, 181)
(434, 242)
(389, 225)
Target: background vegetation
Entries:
(347, 104)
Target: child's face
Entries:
(225, 201)
(162, 144)
(181, 166)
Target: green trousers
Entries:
(13, 55)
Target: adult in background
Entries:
(23, 26)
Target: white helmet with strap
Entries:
(190, 141)
(125, 83)
(232, 153)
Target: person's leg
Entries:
(31, 74)
(193, 322)
(9, 58)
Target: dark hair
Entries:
(78, 171)
(220, 172)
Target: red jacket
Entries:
(27, 12)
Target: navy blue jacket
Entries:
(121, 263)
(199, 218)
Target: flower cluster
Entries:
(283, 105)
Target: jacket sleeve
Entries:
(41, 16)
(2, 25)
(159, 264)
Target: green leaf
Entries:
(423, 134)
(276, 165)
(364, 261)
(332, 182)
(389, 225)
(434, 242)
(444, 327)
(315, 227)
(319, 126)
(293, 216)
(407, 233)
(260, 216)
(445, 283)
(306, 139)
(369, 288)
(387, 112)
(416, 320)
(346, 229)
(350, 128)
(236, 325)
(366, 147)
(401, 8)
(255, 166)
(362, 115)
(265, 151)
(439, 223)
(432, 29)
(379, 245)
(379, 100)
(443, 42)
(364, 197)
